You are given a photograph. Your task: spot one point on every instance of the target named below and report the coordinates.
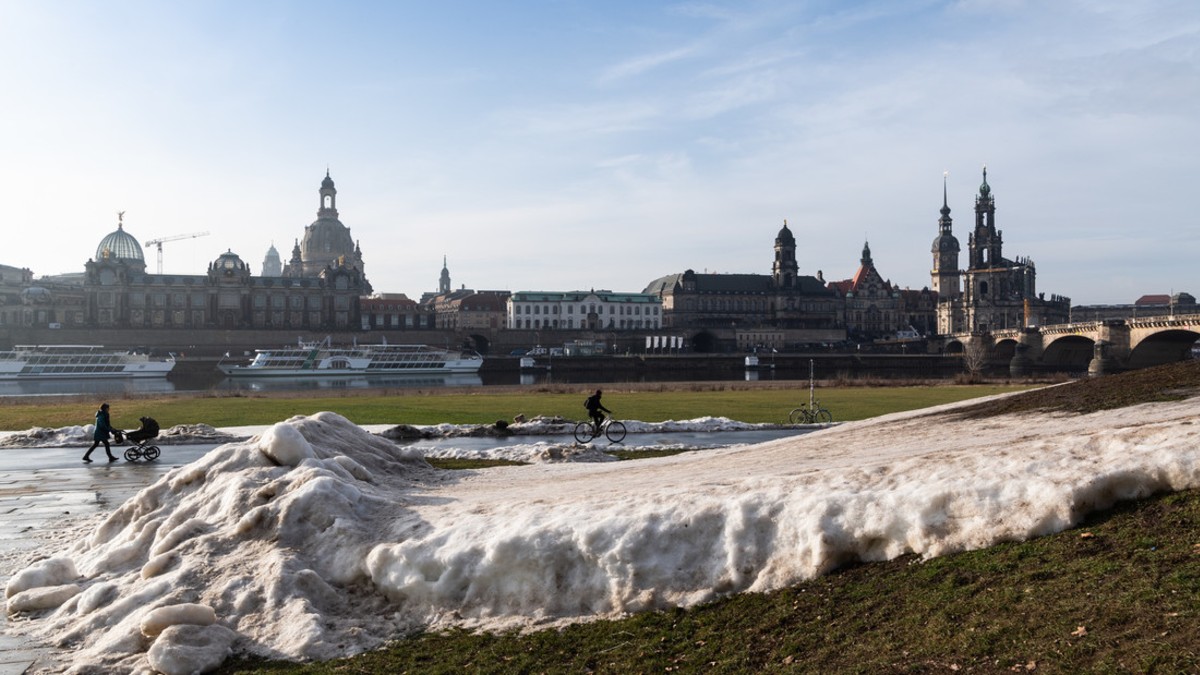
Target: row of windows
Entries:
(626, 310)
(616, 324)
(199, 300)
(759, 306)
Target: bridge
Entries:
(1099, 346)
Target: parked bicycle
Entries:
(810, 414)
(613, 430)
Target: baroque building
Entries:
(993, 292)
(327, 243)
(785, 300)
(115, 289)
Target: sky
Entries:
(570, 145)
(315, 538)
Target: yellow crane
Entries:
(159, 242)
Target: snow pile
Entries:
(552, 426)
(318, 539)
(42, 437)
(181, 434)
(533, 453)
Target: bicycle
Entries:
(810, 414)
(611, 429)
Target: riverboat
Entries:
(321, 359)
(62, 362)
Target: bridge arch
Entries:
(478, 343)
(1068, 352)
(1165, 346)
(704, 342)
(1004, 350)
(954, 347)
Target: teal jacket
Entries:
(103, 427)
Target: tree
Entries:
(975, 358)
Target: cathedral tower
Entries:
(984, 245)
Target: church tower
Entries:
(785, 270)
(945, 275)
(985, 242)
(444, 281)
(272, 265)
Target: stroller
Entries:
(141, 437)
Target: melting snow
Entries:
(317, 539)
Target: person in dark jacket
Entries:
(103, 431)
(596, 410)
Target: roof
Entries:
(734, 283)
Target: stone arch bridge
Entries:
(1099, 346)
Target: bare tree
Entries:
(975, 358)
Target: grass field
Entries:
(484, 406)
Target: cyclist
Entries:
(596, 410)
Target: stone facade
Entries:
(584, 310)
(785, 299)
(993, 292)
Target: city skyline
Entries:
(565, 145)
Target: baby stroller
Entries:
(142, 436)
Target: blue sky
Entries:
(565, 145)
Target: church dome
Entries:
(229, 261)
(120, 245)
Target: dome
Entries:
(120, 245)
(36, 294)
(945, 242)
(229, 261)
(785, 235)
(328, 182)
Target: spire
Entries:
(984, 189)
(866, 255)
(945, 221)
(444, 280)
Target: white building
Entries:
(584, 310)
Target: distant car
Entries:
(518, 352)
(538, 351)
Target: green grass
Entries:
(1118, 594)
(484, 407)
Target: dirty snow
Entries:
(318, 539)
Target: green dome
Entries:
(120, 245)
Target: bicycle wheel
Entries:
(798, 416)
(824, 416)
(614, 431)
(151, 452)
(132, 455)
(584, 432)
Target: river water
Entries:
(220, 383)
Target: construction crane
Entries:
(159, 242)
